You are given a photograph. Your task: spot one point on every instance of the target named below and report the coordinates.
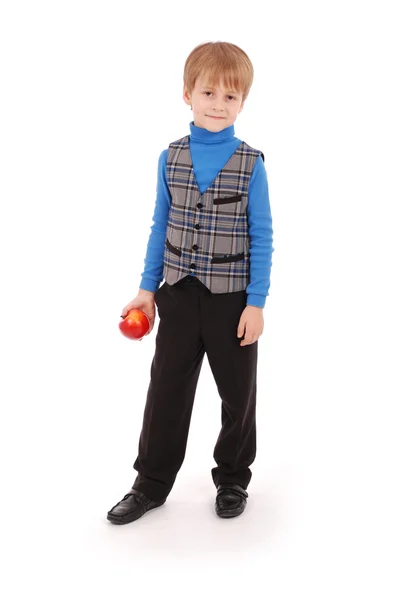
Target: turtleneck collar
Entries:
(210, 137)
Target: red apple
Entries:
(135, 324)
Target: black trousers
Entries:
(194, 321)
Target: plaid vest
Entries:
(207, 234)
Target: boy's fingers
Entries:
(247, 340)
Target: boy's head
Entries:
(217, 80)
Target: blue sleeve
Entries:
(261, 236)
(153, 270)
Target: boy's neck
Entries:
(210, 137)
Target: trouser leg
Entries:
(174, 376)
(234, 368)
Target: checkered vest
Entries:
(207, 234)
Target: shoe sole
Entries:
(227, 514)
(123, 520)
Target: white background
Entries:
(91, 94)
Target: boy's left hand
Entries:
(251, 322)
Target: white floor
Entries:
(322, 518)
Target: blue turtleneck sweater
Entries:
(210, 151)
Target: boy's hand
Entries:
(250, 323)
(145, 302)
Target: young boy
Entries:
(212, 243)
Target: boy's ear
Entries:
(186, 96)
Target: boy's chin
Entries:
(215, 123)
(211, 124)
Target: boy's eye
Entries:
(233, 97)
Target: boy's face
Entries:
(208, 102)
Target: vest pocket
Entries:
(173, 249)
(227, 200)
(228, 258)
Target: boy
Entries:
(212, 243)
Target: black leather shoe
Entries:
(131, 507)
(230, 500)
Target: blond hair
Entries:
(219, 61)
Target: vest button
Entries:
(192, 265)
(197, 226)
(199, 205)
(195, 247)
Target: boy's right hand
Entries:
(145, 302)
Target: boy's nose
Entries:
(217, 107)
